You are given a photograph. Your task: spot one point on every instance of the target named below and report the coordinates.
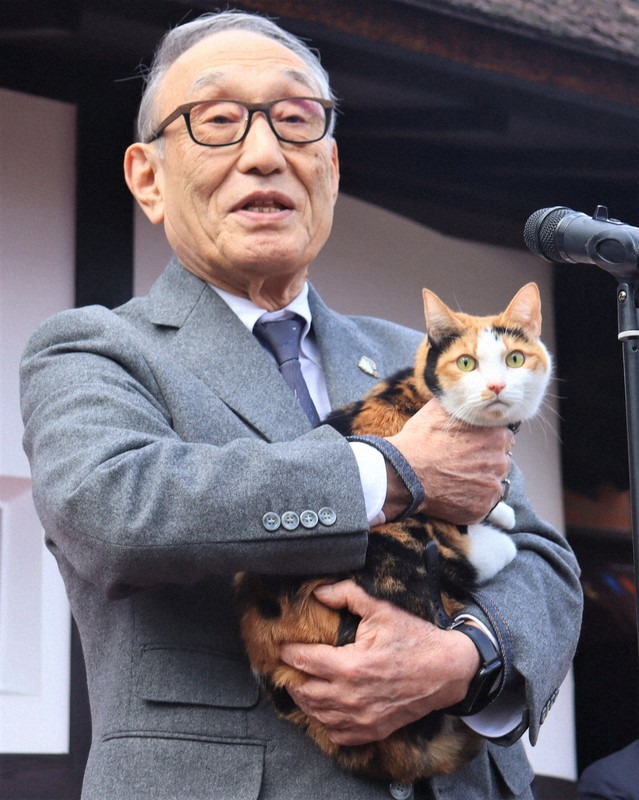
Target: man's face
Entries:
(251, 211)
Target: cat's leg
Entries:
(503, 516)
(490, 550)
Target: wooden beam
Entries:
(547, 65)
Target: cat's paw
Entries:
(503, 516)
(490, 550)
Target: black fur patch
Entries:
(342, 419)
(427, 726)
(430, 373)
(281, 699)
(518, 333)
(394, 391)
(348, 624)
(269, 607)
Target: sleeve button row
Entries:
(307, 519)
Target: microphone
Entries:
(561, 234)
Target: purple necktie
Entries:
(282, 337)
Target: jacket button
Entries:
(401, 791)
(271, 521)
(290, 520)
(327, 516)
(309, 518)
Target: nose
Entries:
(497, 388)
(261, 150)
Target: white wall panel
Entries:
(37, 224)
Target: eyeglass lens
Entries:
(295, 119)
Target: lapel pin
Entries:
(368, 366)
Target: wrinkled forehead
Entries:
(239, 64)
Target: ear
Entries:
(334, 171)
(440, 320)
(524, 310)
(143, 174)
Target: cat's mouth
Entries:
(498, 407)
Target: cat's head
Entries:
(486, 371)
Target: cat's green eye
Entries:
(466, 363)
(515, 359)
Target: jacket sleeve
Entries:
(130, 502)
(534, 606)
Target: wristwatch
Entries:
(484, 687)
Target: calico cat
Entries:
(485, 371)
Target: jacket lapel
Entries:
(213, 344)
(346, 351)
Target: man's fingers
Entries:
(313, 659)
(345, 594)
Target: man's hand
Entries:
(399, 669)
(460, 467)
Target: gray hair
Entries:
(178, 40)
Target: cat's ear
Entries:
(524, 310)
(441, 322)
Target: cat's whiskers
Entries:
(537, 424)
(470, 412)
(451, 426)
(546, 424)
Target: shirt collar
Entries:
(249, 313)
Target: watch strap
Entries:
(486, 683)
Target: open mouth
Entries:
(265, 204)
(264, 207)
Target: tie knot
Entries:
(282, 336)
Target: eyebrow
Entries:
(212, 78)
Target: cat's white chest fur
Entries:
(491, 549)
(503, 516)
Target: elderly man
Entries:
(168, 453)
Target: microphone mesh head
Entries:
(539, 233)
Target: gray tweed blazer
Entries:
(159, 435)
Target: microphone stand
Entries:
(628, 324)
(618, 254)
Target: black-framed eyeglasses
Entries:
(218, 123)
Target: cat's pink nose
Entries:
(496, 387)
